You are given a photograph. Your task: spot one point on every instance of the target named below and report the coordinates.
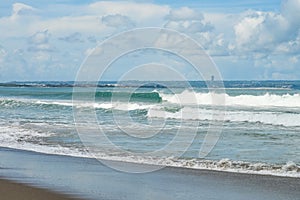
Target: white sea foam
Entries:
(189, 113)
(278, 117)
(26, 139)
(19, 138)
(104, 105)
(240, 108)
(189, 98)
(266, 100)
(122, 106)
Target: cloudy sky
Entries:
(49, 40)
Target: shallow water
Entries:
(260, 132)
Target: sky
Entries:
(247, 40)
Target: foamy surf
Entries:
(188, 97)
(290, 169)
(190, 113)
(24, 139)
(255, 120)
(285, 116)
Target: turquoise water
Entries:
(261, 128)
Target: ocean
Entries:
(260, 130)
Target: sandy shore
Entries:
(89, 179)
(10, 190)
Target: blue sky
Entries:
(49, 40)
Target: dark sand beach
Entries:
(89, 179)
(15, 191)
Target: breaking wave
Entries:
(26, 139)
(266, 100)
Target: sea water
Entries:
(260, 126)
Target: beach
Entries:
(150, 100)
(87, 178)
(50, 140)
(14, 191)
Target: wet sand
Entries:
(10, 190)
(89, 179)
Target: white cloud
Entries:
(44, 54)
(187, 20)
(39, 42)
(140, 12)
(68, 25)
(290, 10)
(247, 29)
(294, 59)
(15, 61)
(3, 54)
(19, 22)
(184, 13)
(268, 31)
(26, 20)
(189, 26)
(20, 9)
(118, 21)
(68, 30)
(73, 38)
(39, 37)
(193, 23)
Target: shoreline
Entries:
(211, 165)
(87, 178)
(12, 190)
